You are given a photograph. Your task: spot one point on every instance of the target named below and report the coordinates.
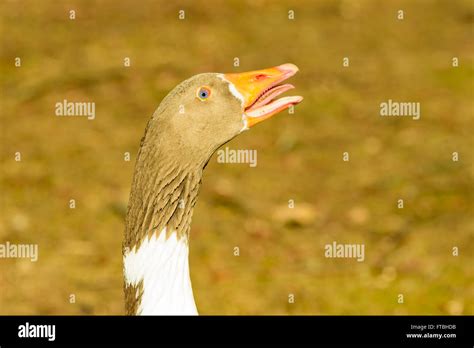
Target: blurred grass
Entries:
(299, 156)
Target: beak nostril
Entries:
(260, 77)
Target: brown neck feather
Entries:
(164, 192)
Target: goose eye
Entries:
(203, 93)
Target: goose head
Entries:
(207, 110)
(190, 124)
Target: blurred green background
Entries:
(408, 251)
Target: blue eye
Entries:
(203, 93)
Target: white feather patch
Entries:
(232, 89)
(163, 266)
(239, 96)
(245, 122)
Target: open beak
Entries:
(259, 89)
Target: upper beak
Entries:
(259, 88)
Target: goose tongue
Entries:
(260, 88)
(271, 94)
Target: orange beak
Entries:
(258, 90)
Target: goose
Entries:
(190, 124)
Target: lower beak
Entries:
(259, 89)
